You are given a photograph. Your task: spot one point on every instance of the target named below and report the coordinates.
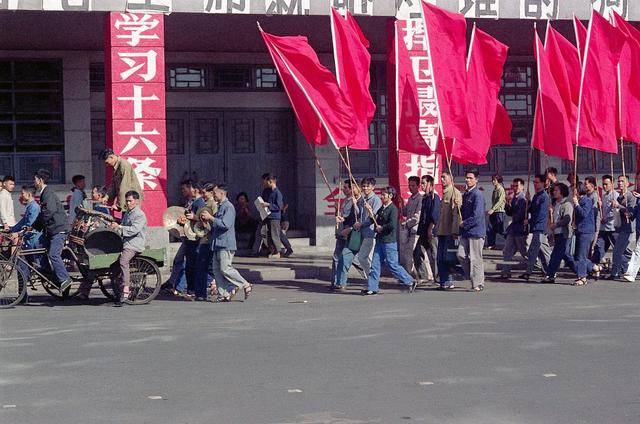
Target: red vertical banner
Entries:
(402, 163)
(135, 102)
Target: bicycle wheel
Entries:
(12, 285)
(145, 281)
(106, 285)
(73, 269)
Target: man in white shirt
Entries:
(7, 216)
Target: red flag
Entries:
(352, 69)
(581, 36)
(502, 127)
(552, 129)
(485, 66)
(597, 106)
(447, 45)
(408, 137)
(628, 82)
(565, 68)
(317, 101)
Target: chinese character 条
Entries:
(146, 173)
(479, 8)
(136, 26)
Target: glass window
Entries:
(232, 77)
(96, 77)
(266, 78)
(31, 118)
(192, 76)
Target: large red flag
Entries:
(352, 70)
(502, 127)
(581, 36)
(408, 137)
(485, 67)
(447, 45)
(317, 100)
(629, 82)
(597, 106)
(552, 129)
(566, 70)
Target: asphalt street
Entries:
(293, 353)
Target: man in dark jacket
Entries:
(272, 198)
(537, 222)
(54, 220)
(472, 232)
(424, 255)
(386, 248)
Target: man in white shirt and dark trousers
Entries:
(7, 215)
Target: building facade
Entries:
(227, 116)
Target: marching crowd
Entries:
(429, 235)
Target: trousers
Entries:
(470, 257)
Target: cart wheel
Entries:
(72, 267)
(144, 285)
(12, 285)
(145, 281)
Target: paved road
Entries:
(517, 353)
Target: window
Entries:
(266, 78)
(188, 77)
(373, 162)
(232, 77)
(31, 119)
(96, 77)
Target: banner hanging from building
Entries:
(135, 102)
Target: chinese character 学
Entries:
(136, 28)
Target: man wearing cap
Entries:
(124, 179)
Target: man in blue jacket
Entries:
(424, 255)
(223, 245)
(472, 232)
(33, 238)
(537, 223)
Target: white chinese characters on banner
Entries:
(136, 28)
(479, 8)
(355, 7)
(287, 7)
(539, 9)
(136, 102)
(150, 6)
(604, 7)
(421, 165)
(227, 6)
(68, 5)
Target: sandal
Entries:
(579, 282)
(247, 291)
(222, 299)
(596, 272)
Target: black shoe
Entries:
(524, 277)
(613, 278)
(65, 285)
(446, 287)
(369, 292)
(288, 253)
(118, 303)
(548, 281)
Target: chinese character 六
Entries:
(139, 135)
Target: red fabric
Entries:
(407, 113)
(486, 62)
(352, 68)
(597, 111)
(581, 36)
(502, 127)
(629, 83)
(446, 34)
(313, 91)
(552, 128)
(565, 68)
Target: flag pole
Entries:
(624, 172)
(584, 68)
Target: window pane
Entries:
(188, 77)
(28, 164)
(232, 77)
(267, 78)
(96, 77)
(38, 71)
